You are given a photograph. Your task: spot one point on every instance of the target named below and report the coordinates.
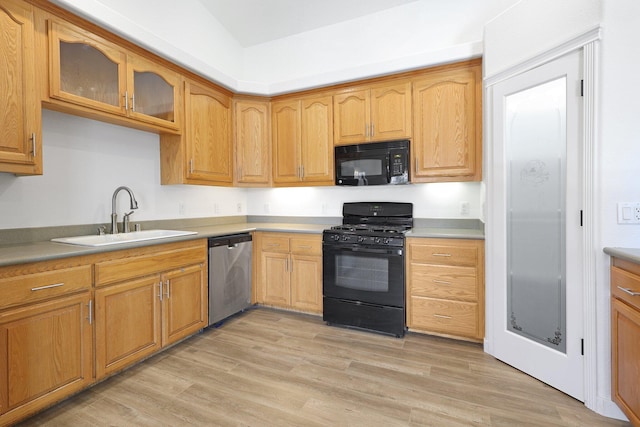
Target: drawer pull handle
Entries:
(273, 244)
(442, 316)
(629, 291)
(55, 285)
(304, 247)
(442, 282)
(445, 255)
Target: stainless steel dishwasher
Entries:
(229, 275)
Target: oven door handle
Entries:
(390, 251)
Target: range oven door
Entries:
(372, 275)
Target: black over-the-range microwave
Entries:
(376, 163)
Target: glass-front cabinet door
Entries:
(154, 92)
(86, 70)
(92, 72)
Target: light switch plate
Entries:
(629, 213)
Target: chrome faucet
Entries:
(114, 213)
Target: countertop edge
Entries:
(23, 253)
(629, 254)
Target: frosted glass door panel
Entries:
(89, 73)
(153, 96)
(535, 137)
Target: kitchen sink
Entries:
(117, 239)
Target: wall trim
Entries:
(574, 43)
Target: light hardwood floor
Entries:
(273, 368)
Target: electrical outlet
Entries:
(629, 213)
(182, 210)
(239, 207)
(464, 208)
(267, 208)
(216, 208)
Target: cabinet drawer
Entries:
(274, 243)
(38, 286)
(444, 254)
(306, 246)
(444, 281)
(132, 265)
(621, 279)
(444, 316)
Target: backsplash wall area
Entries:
(86, 160)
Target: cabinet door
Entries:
(446, 128)
(352, 112)
(306, 283)
(20, 121)
(253, 142)
(127, 323)
(625, 344)
(286, 141)
(155, 93)
(317, 140)
(87, 70)
(45, 354)
(208, 135)
(391, 112)
(275, 278)
(184, 303)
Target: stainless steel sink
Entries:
(117, 239)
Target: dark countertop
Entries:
(629, 254)
(42, 250)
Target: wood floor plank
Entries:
(274, 368)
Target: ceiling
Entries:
(253, 22)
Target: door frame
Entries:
(588, 42)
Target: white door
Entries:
(534, 249)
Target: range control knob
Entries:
(361, 239)
(386, 240)
(376, 240)
(345, 238)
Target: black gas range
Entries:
(364, 268)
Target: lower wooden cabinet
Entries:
(445, 287)
(148, 308)
(46, 354)
(289, 271)
(625, 337)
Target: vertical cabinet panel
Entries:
(306, 283)
(208, 135)
(127, 323)
(184, 303)
(253, 142)
(286, 141)
(46, 353)
(20, 121)
(303, 141)
(447, 126)
(317, 140)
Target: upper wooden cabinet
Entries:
(203, 154)
(447, 125)
(381, 112)
(91, 72)
(20, 111)
(252, 142)
(303, 141)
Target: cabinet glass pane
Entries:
(153, 96)
(536, 149)
(87, 72)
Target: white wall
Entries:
(436, 200)
(530, 28)
(419, 34)
(533, 27)
(414, 35)
(84, 162)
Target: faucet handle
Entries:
(125, 222)
(101, 230)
